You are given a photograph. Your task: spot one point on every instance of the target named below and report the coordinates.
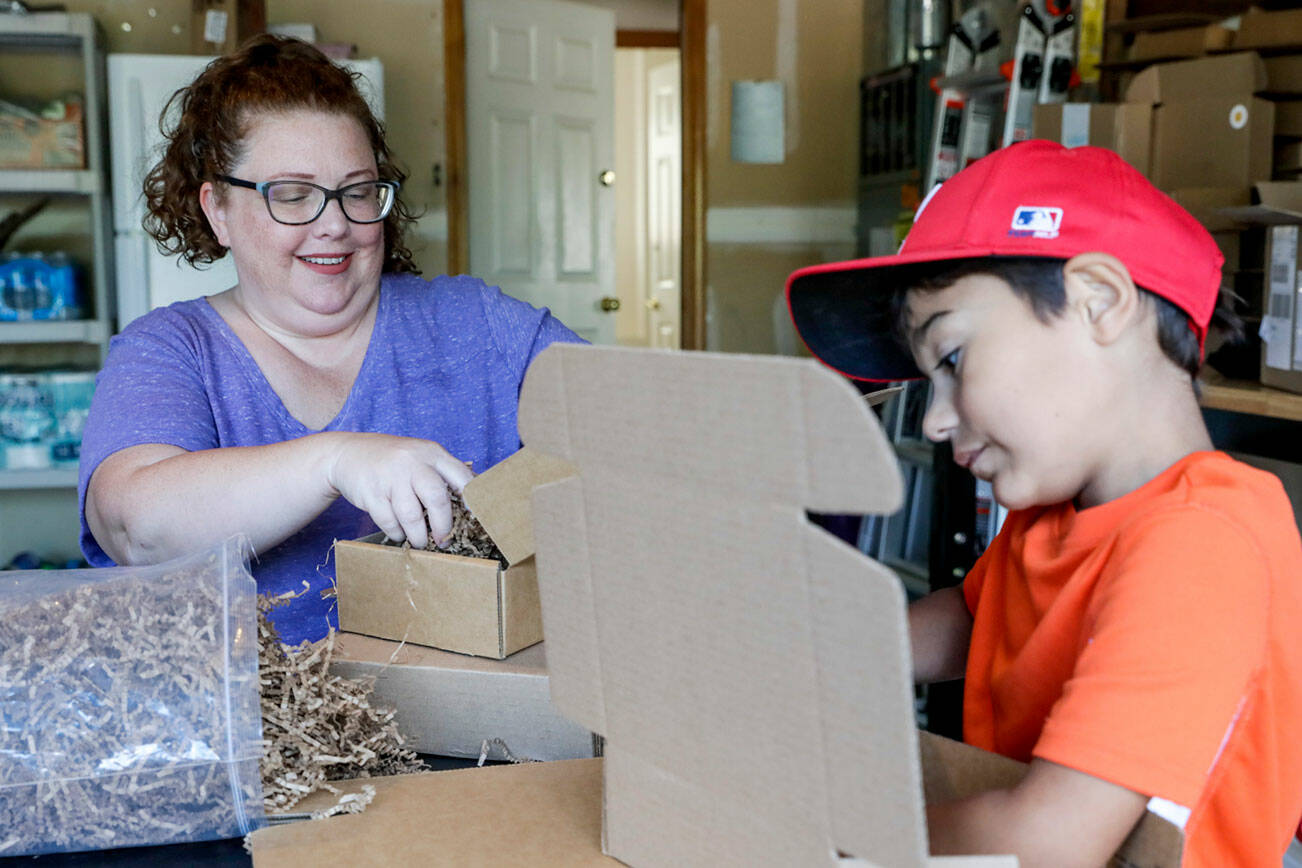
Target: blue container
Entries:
(38, 287)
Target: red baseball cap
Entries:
(1035, 198)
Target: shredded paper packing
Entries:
(128, 704)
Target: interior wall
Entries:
(407, 35)
(763, 221)
(798, 212)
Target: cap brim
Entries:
(843, 312)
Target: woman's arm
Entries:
(148, 503)
(940, 627)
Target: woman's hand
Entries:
(398, 481)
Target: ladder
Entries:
(1042, 65)
(962, 129)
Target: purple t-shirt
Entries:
(446, 361)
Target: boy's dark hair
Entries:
(1038, 281)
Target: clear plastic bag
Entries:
(129, 706)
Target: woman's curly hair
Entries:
(266, 75)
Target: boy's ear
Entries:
(1101, 292)
(215, 211)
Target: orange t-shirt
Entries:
(1154, 641)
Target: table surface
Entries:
(227, 853)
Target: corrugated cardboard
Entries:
(1122, 127)
(1281, 324)
(1288, 158)
(1211, 205)
(1288, 118)
(1268, 203)
(1217, 141)
(1208, 128)
(449, 704)
(219, 26)
(1270, 30)
(1180, 42)
(549, 814)
(1190, 80)
(467, 605)
(536, 815)
(749, 671)
(1284, 74)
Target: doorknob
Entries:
(607, 178)
(609, 304)
(653, 303)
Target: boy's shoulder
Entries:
(1210, 501)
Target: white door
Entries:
(664, 203)
(540, 149)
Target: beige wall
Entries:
(407, 35)
(818, 58)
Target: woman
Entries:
(332, 390)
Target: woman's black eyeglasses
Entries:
(297, 202)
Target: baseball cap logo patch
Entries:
(1035, 221)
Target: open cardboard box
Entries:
(449, 704)
(750, 672)
(467, 605)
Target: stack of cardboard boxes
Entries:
(1221, 132)
(455, 643)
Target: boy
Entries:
(1135, 630)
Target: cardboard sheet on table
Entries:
(535, 814)
(751, 673)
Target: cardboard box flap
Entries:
(1281, 29)
(1273, 202)
(684, 590)
(499, 498)
(743, 428)
(1184, 80)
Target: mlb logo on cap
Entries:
(1033, 221)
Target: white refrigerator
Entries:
(139, 86)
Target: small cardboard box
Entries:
(219, 26)
(1281, 323)
(1180, 42)
(467, 605)
(1209, 205)
(1284, 74)
(1288, 118)
(1126, 128)
(1270, 30)
(50, 139)
(450, 704)
(749, 671)
(1208, 128)
(1288, 158)
(1278, 205)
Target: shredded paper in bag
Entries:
(129, 710)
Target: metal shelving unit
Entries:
(34, 480)
(38, 508)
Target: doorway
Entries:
(648, 195)
(690, 41)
